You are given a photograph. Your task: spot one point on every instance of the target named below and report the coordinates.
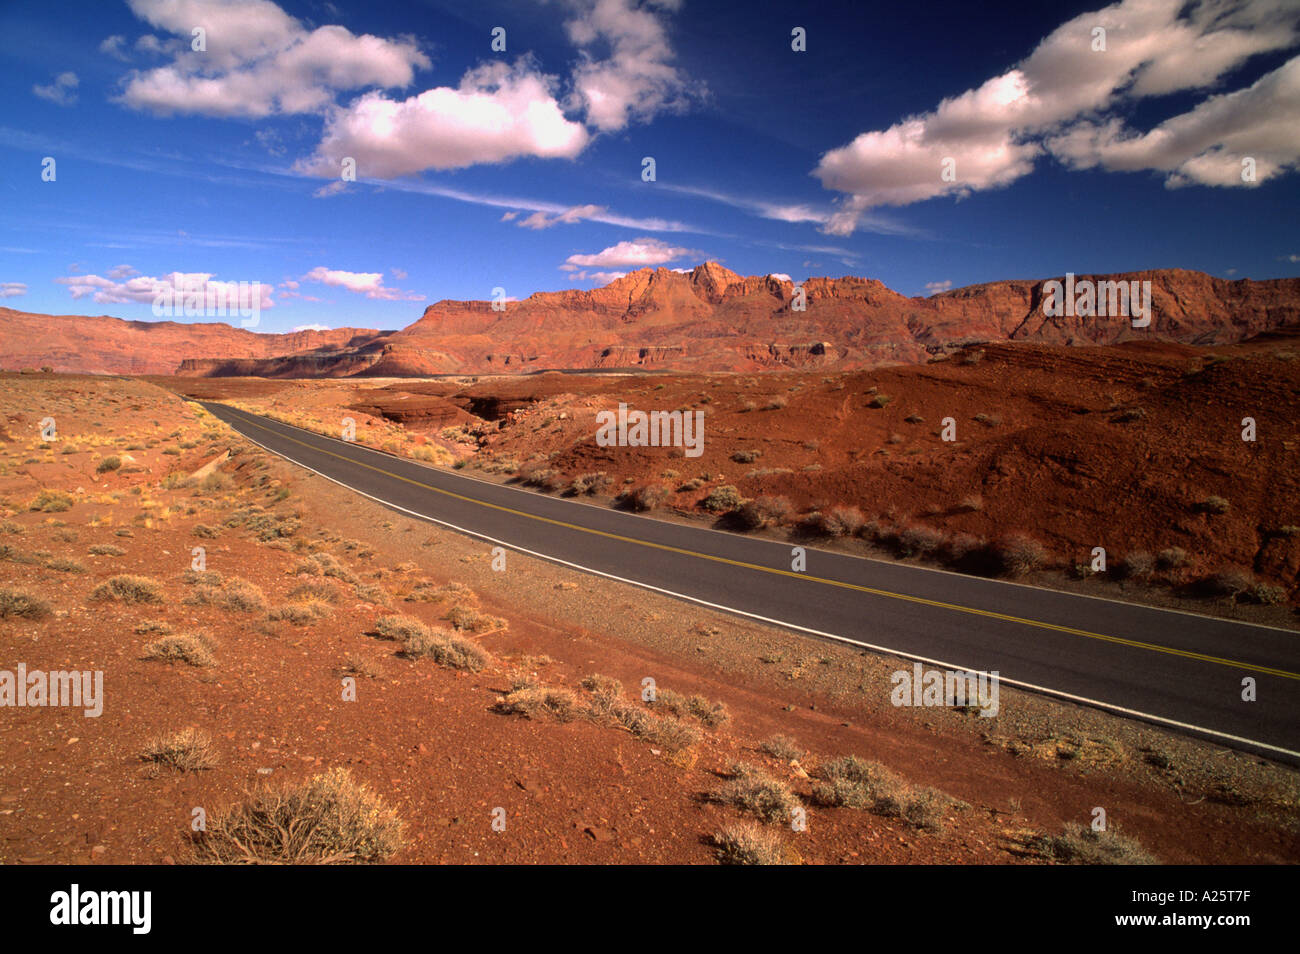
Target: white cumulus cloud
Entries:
(995, 132)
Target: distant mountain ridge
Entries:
(707, 319)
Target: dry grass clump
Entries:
(917, 539)
(399, 627)
(1081, 845)
(301, 612)
(189, 750)
(426, 592)
(763, 511)
(1017, 555)
(446, 649)
(607, 706)
(194, 650)
(710, 714)
(329, 819)
(745, 843)
(112, 462)
(126, 588)
(470, 619)
(316, 591)
(645, 497)
(752, 790)
(1171, 558)
(64, 565)
(105, 549)
(1213, 504)
(235, 595)
(534, 701)
(589, 484)
(852, 782)
(326, 564)
(51, 501)
(22, 605)
(783, 747)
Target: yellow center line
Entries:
(988, 614)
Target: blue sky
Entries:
(522, 169)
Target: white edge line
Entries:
(786, 625)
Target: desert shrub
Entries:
(590, 484)
(776, 402)
(328, 820)
(1171, 558)
(235, 595)
(18, 604)
(204, 531)
(600, 685)
(842, 521)
(112, 462)
(745, 843)
(971, 504)
(1080, 844)
(216, 482)
(880, 400)
(464, 617)
(746, 456)
(1017, 554)
(51, 501)
(754, 791)
(607, 706)
(326, 564)
(192, 650)
(711, 714)
(762, 512)
(645, 497)
(316, 591)
(534, 701)
(153, 627)
(126, 588)
(917, 539)
(1137, 565)
(189, 750)
(206, 577)
(988, 420)
(1231, 582)
(853, 782)
(301, 612)
(64, 565)
(961, 547)
(426, 592)
(105, 549)
(400, 628)
(722, 499)
(1213, 505)
(446, 649)
(1266, 593)
(783, 747)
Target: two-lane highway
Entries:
(1178, 669)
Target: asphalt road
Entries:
(1179, 669)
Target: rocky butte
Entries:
(706, 319)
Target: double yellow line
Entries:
(938, 604)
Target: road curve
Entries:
(1178, 669)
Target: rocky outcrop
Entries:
(707, 319)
